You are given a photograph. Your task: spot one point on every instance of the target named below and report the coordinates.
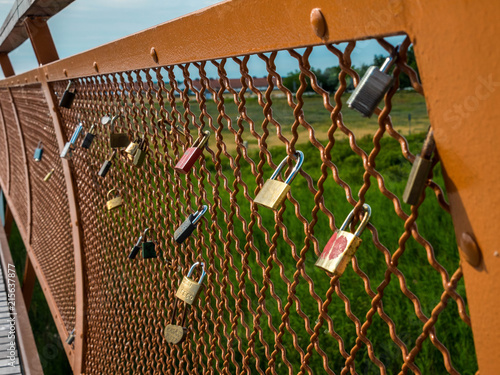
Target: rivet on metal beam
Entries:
(47, 75)
(469, 248)
(96, 67)
(65, 72)
(154, 55)
(318, 22)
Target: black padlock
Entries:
(189, 225)
(71, 337)
(38, 152)
(135, 249)
(148, 247)
(107, 164)
(67, 97)
(89, 137)
(419, 174)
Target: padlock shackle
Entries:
(39, 143)
(300, 159)
(76, 134)
(429, 145)
(364, 222)
(109, 192)
(112, 124)
(202, 140)
(203, 273)
(145, 238)
(199, 214)
(113, 154)
(389, 61)
(91, 129)
(138, 241)
(69, 84)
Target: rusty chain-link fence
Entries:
(264, 308)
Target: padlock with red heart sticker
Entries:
(342, 245)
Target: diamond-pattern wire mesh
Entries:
(264, 307)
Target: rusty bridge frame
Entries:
(456, 48)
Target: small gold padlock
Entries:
(342, 246)
(132, 148)
(188, 290)
(274, 192)
(49, 175)
(115, 202)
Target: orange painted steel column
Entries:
(80, 300)
(459, 61)
(41, 39)
(6, 65)
(29, 279)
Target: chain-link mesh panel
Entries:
(264, 307)
(18, 178)
(51, 240)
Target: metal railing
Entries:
(264, 307)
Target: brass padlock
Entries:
(187, 292)
(140, 154)
(274, 192)
(189, 289)
(132, 148)
(342, 246)
(49, 175)
(420, 170)
(115, 202)
(116, 140)
(372, 87)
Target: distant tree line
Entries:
(328, 78)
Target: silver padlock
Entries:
(67, 152)
(372, 87)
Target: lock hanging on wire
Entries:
(189, 225)
(38, 152)
(148, 247)
(69, 147)
(419, 174)
(89, 137)
(187, 292)
(71, 337)
(342, 246)
(107, 165)
(135, 250)
(115, 202)
(132, 148)
(116, 140)
(372, 87)
(274, 192)
(192, 154)
(49, 175)
(68, 96)
(140, 154)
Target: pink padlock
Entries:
(192, 154)
(342, 246)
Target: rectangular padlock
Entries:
(115, 202)
(192, 154)
(420, 170)
(67, 97)
(38, 152)
(105, 168)
(372, 87)
(132, 148)
(118, 140)
(89, 137)
(342, 246)
(139, 157)
(274, 192)
(148, 250)
(188, 290)
(69, 147)
(185, 230)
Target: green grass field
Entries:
(434, 224)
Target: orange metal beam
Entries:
(29, 279)
(41, 39)
(80, 299)
(6, 145)
(7, 68)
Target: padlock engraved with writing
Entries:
(372, 87)
(175, 334)
(189, 289)
(274, 192)
(192, 154)
(342, 246)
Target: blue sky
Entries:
(86, 24)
